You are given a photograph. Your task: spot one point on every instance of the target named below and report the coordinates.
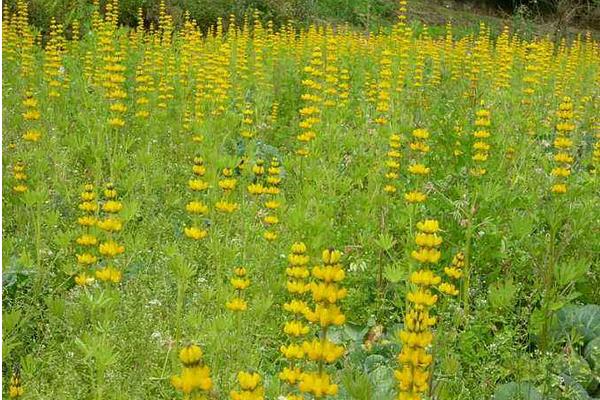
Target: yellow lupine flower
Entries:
(87, 240)
(195, 233)
(197, 185)
(111, 249)
(109, 274)
(237, 304)
(190, 355)
(196, 207)
(86, 259)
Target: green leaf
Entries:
(583, 320)
(385, 241)
(502, 294)
(357, 385)
(355, 332)
(570, 271)
(517, 391)
(592, 354)
(383, 381)
(373, 362)
(573, 390)
(577, 368)
(395, 273)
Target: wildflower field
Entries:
(263, 211)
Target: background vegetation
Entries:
(542, 16)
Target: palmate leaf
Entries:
(502, 294)
(395, 272)
(570, 271)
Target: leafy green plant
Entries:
(502, 295)
(517, 391)
(582, 321)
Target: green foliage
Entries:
(11, 321)
(364, 13)
(592, 354)
(577, 368)
(570, 272)
(502, 295)
(581, 321)
(517, 391)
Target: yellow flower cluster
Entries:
(218, 78)
(504, 60)
(87, 241)
(384, 87)
(297, 273)
(248, 131)
(54, 71)
(419, 70)
(25, 39)
(402, 34)
(434, 51)
(393, 164)
(190, 125)
(111, 72)
(419, 148)
(322, 351)
(31, 116)
(227, 183)
(344, 87)
(479, 60)
(196, 208)
(454, 272)
(111, 224)
(371, 89)
(274, 114)
(195, 377)
(531, 79)
(318, 384)
(416, 337)
(596, 150)
(144, 87)
(9, 33)
(20, 174)
(271, 200)
(240, 282)
(481, 146)
(250, 385)
(15, 389)
(563, 143)
(325, 294)
(310, 114)
(331, 80)
(266, 185)
(260, 44)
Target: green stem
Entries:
(432, 366)
(409, 237)
(99, 380)
(323, 340)
(181, 286)
(380, 264)
(467, 266)
(548, 290)
(41, 274)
